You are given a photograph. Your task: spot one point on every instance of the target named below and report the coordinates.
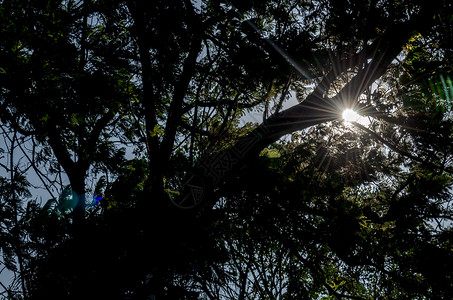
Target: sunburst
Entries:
(350, 115)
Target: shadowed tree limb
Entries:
(314, 110)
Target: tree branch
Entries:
(398, 150)
(316, 108)
(149, 101)
(176, 106)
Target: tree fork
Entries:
(317, 108)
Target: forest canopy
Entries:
(185, 149)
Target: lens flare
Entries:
(96, 199)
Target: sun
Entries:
(350, 116)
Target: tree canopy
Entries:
(186, 149)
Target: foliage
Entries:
(109, 108)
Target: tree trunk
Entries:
(77, 182)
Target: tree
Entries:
(171, 80)
(347, 233)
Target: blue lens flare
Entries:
(96, 199)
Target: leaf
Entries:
(48, 205)
(158, 130)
